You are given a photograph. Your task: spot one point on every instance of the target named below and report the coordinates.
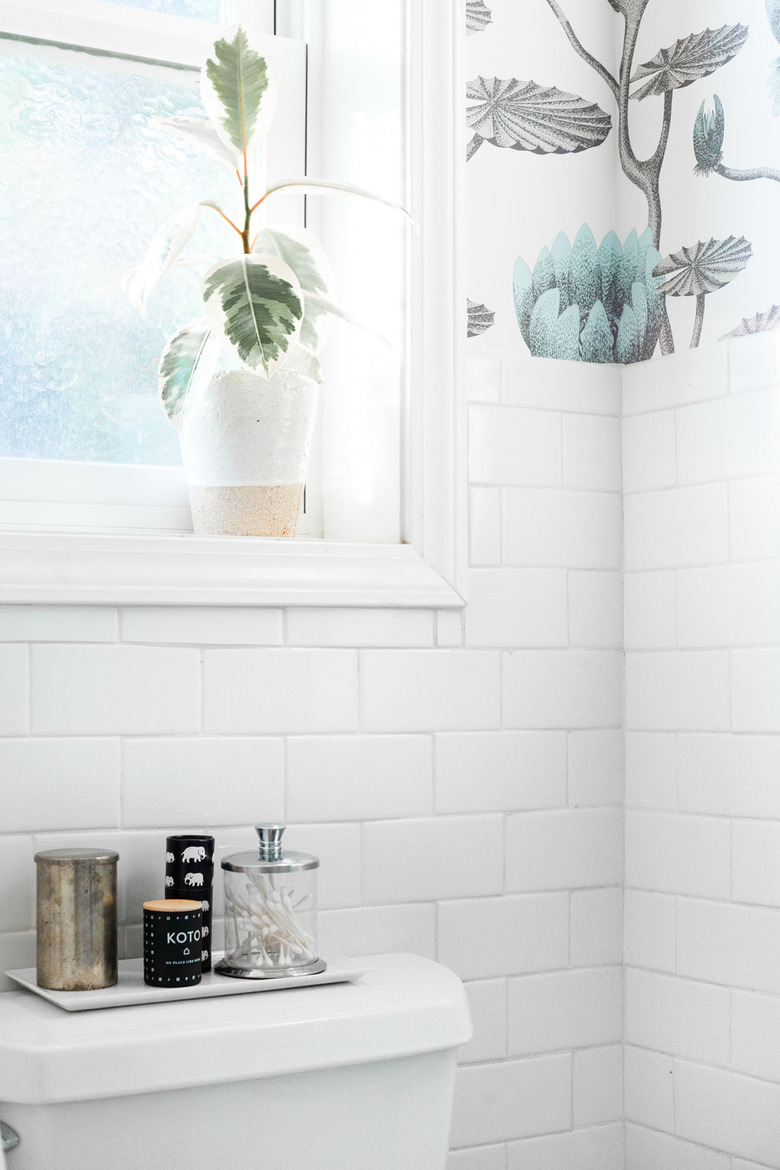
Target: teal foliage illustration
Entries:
(589, 302)
(708, 133)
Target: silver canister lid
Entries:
(76, 857)
(270, 857)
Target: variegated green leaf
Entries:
(191, 352)
(204, 135)
(303, 254)
(689, 60)
(323, 187)
(234, 87)
(329, 308)
(301, 251)
(174, 235)
(256, 303)
(303, 361)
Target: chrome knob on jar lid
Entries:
(270, 910)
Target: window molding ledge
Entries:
(118, 569)
(110, 568)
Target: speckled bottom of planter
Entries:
(246, 511)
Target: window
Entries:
(82, 438)
(392, 510)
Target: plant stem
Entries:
(700, 304)
(603, 73)
(260, 200)
(644, 174)
(226, 218)
(247, 216)
(641, 174)
(747, 176)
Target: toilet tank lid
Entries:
(404, 1006)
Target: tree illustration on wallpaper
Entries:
(709, 134)
(682, 64)
(527, 116)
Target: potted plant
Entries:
(240, 382)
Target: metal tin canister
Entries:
(172, 942)
(76, 919)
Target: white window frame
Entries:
(52, 493)
(428, 568)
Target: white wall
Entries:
(461, 781)
(702, 631)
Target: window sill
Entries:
(71, 568)
(61, 566)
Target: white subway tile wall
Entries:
(461, 780)
(702, 905)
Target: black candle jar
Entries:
(189, 873)
(189, 862)
(172, 943)
(205, 901)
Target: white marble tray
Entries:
(131, 988)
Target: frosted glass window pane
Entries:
(85, 182)
(195, 9)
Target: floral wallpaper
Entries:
(649, 128)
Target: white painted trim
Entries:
(98, 26)
(428, 571)
(436, 481)
(119, 569)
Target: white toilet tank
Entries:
(349, 1076)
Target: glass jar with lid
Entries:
(270, 911)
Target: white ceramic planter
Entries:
(245, 441)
